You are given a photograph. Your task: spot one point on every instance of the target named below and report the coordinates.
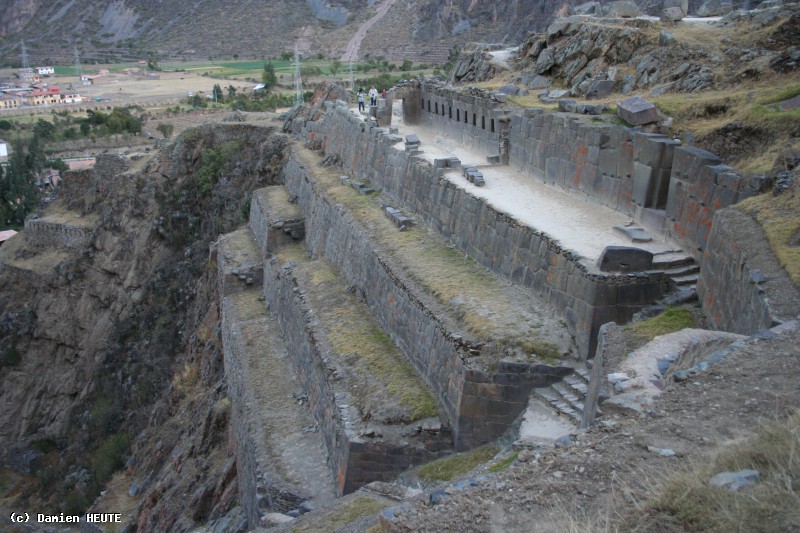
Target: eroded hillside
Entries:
(103, 301)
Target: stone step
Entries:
(689, 279)
(684, 270)
(376, 413)
(578, 385)
(671, 260)
(551, 398)
(568, 396)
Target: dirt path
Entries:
(351, 52)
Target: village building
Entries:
(9, 101)
(27, 75)
(3, 149)
(45, 70)
(44, 96)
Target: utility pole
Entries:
(298, 82)
(352, 79)
(24, 54)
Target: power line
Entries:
(298, 82)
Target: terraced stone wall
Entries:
(353, 460)
(480, 405)
(742, 287)
(53, 234)
(586, 299)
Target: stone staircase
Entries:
(567, 397)
(679, 267)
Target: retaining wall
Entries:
(46, 233)
(741, 285)
(481, 406)
(355, 461)
(584, 297)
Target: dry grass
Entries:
(355, 335)
(689, 502)
(779, 216)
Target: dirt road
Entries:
(351, 52)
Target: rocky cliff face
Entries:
(14, 14)
(106, 345)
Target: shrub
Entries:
(109, 457)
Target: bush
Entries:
(11, 357)
(109, 457)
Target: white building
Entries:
(3, 148)
(45, 70)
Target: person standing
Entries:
(383, 94)
(373, 96)
(361, 99)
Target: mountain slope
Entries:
(110, 30)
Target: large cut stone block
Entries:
(637, 111)
(624, 259)
(688, 161)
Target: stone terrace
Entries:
(473, 338)
(281, 457)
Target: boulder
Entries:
(511, 90)
(600, 88)
(544, 62)
(536, 48)
(637, 111)
(666, 38)
(734, 481)
(589, 8)
(624, 9)
(671, 15)
(713, 8)
(683, 5)
(540, 82)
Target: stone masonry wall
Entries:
(671, 189)
(586, 299)
(281, 293)
(46, 233)
(741, 285)
(480, 406)
(470, 120)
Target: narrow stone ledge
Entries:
(280, 457)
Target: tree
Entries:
(18, 193)
(165, 129)
(231, 92)
(335, 66)
(44, 129)
(217, 93)
(406, 66)
(268, 77)
(287, 55)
